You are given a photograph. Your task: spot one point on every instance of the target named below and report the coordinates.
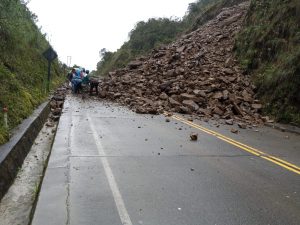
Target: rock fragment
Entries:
(229, 122)
(233, 130)
(242, 125)
(194, 136)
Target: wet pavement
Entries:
(17, 204)
(111, 166)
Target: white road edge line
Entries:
(124, 216)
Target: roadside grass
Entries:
(268, 47)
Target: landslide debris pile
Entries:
(196, 75)
(56, 105)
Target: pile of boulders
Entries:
(56, 105)
(196, 75)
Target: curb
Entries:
(284, 128)
(13, 153)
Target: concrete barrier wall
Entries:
(13, 153)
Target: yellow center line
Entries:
(217, 134)
(287, 165)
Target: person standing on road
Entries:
(76, 81)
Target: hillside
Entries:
(197, 74)
(160, 31)
(23, 69)
(269, 48)
(142, 39)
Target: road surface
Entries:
(111, 166)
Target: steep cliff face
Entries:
(23, 69)
(269, 48)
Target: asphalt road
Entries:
(111, 166)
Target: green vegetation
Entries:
(145, 37)
(23, 69)
(269, 48)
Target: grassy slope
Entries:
(269, 47)
(22, 66)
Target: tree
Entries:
(102, 52)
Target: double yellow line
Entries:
(256, 152)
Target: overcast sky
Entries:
(81, 28)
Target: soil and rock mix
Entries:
(56, 105)
(195, 75)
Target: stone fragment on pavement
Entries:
(194, 136)
(242, 125)
(233, 130)
(50, 124)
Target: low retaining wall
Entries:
(13, 153)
